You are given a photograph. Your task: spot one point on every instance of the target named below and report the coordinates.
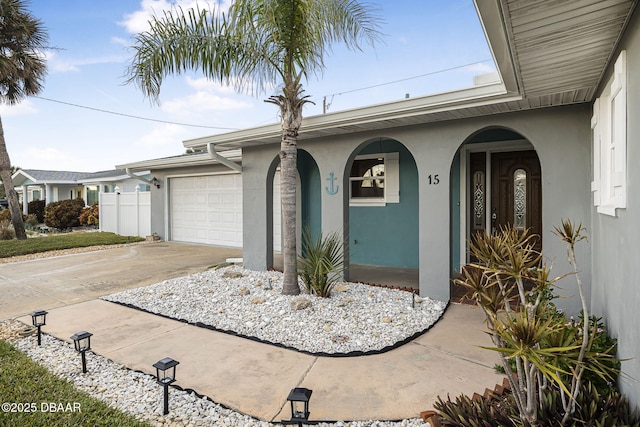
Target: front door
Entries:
(515, 184)
(516, 192)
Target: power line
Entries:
(131, 115)
(410, 78)
(403, 80)
(325, 104)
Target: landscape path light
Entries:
(166, 375)
(82, 343)
(39, 319)
(299, 398)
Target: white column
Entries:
(25, 199)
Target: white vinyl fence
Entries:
(126, 214)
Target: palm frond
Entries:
(259, 43)
(22, 43)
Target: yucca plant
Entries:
(322, 262)
(539, 350)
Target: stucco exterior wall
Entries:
(560, 136)
(616, 240)
(160, 221)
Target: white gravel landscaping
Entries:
(356, 318)
(139, 394)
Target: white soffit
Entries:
(564, 47)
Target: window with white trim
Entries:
(609, 127)
(374, 180)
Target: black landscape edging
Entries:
(204, 396)
(318, 354)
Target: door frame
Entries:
(465, 151)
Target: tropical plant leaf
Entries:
(322, 264)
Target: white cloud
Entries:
(120, 41)
(22, 108)
(208, 97)
(55, 64)
(138, 21)
(205, 84)
(481, 68)
(45, 158)
(165, 135)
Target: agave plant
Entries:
(322, 263)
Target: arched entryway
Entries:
(381, 210)
(496, 181)
(308, 204)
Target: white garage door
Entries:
(207, 209)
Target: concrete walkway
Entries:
(256, 378)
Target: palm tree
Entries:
(258, 44)
(22, 70)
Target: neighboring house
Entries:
(408, 182)
(53, 186)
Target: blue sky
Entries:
(91, 55)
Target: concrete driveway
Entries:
(48, 283)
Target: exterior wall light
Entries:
(299, 398)
(39, 319)
(155, 182)
(166, 375)
(82, 343)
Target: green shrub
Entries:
(593, 408)
(31, 220)
(6, 229)
(90, 215)
(64, 214)
(465, 412)
(321, 265)
(36, 207)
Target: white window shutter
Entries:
(619, 133)
(595, 128)
(392, 177)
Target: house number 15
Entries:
(433, 179)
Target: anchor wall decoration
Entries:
(332, 188)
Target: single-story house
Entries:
(53, 186)
(408, 182)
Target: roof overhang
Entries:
(191, 160)
(400, 113)
(20, 176)
(114, 178)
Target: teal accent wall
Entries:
(455, 214)
(310, 196)
(388, 235)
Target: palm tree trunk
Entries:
(290, 104)
(288, 171)
(12, 196)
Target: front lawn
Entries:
(9, 248)
(32, 396)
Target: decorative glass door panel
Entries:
(516, 192)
